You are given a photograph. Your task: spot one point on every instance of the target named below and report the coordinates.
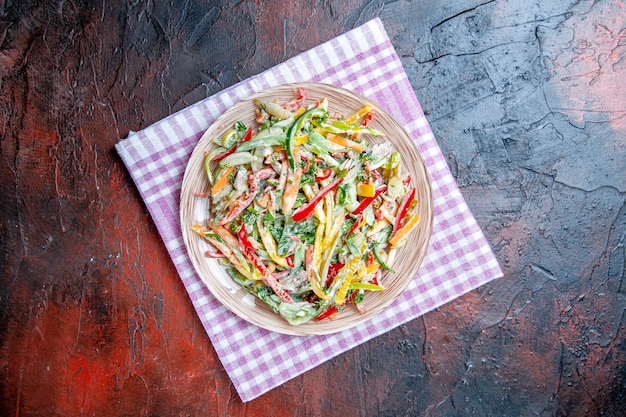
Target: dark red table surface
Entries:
(527, 100)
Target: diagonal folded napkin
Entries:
(458, 260)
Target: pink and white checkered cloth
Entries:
(458, 260)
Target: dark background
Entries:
(527, 100)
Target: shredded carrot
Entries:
(345, 142)
(410, 224)
(292, 185)
(221, 183)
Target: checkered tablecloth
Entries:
(458, 260)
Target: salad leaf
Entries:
(305, 230)
(239, 279)
(250, 215)
(268, 297)
(297, 313)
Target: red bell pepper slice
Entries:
(329, 312)
(243, 239)
(333, 269)
(403, 208)
(233, 148)
(306, 210)
(324, 174)
(289, 260)
(368, 117)
(355, 226)
(257, 262)
(374, 279)
(368, 200)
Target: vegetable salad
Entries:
(305, 213)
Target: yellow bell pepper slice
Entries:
(346, 276)
(270, 245)
(329, 206)
(398, 239)
(299, 112)
(317, 246)
(318, 211)
(316, 286)
(365, 189)
(300, 140)
(333, 232)
(359, 114)
(371, 270)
